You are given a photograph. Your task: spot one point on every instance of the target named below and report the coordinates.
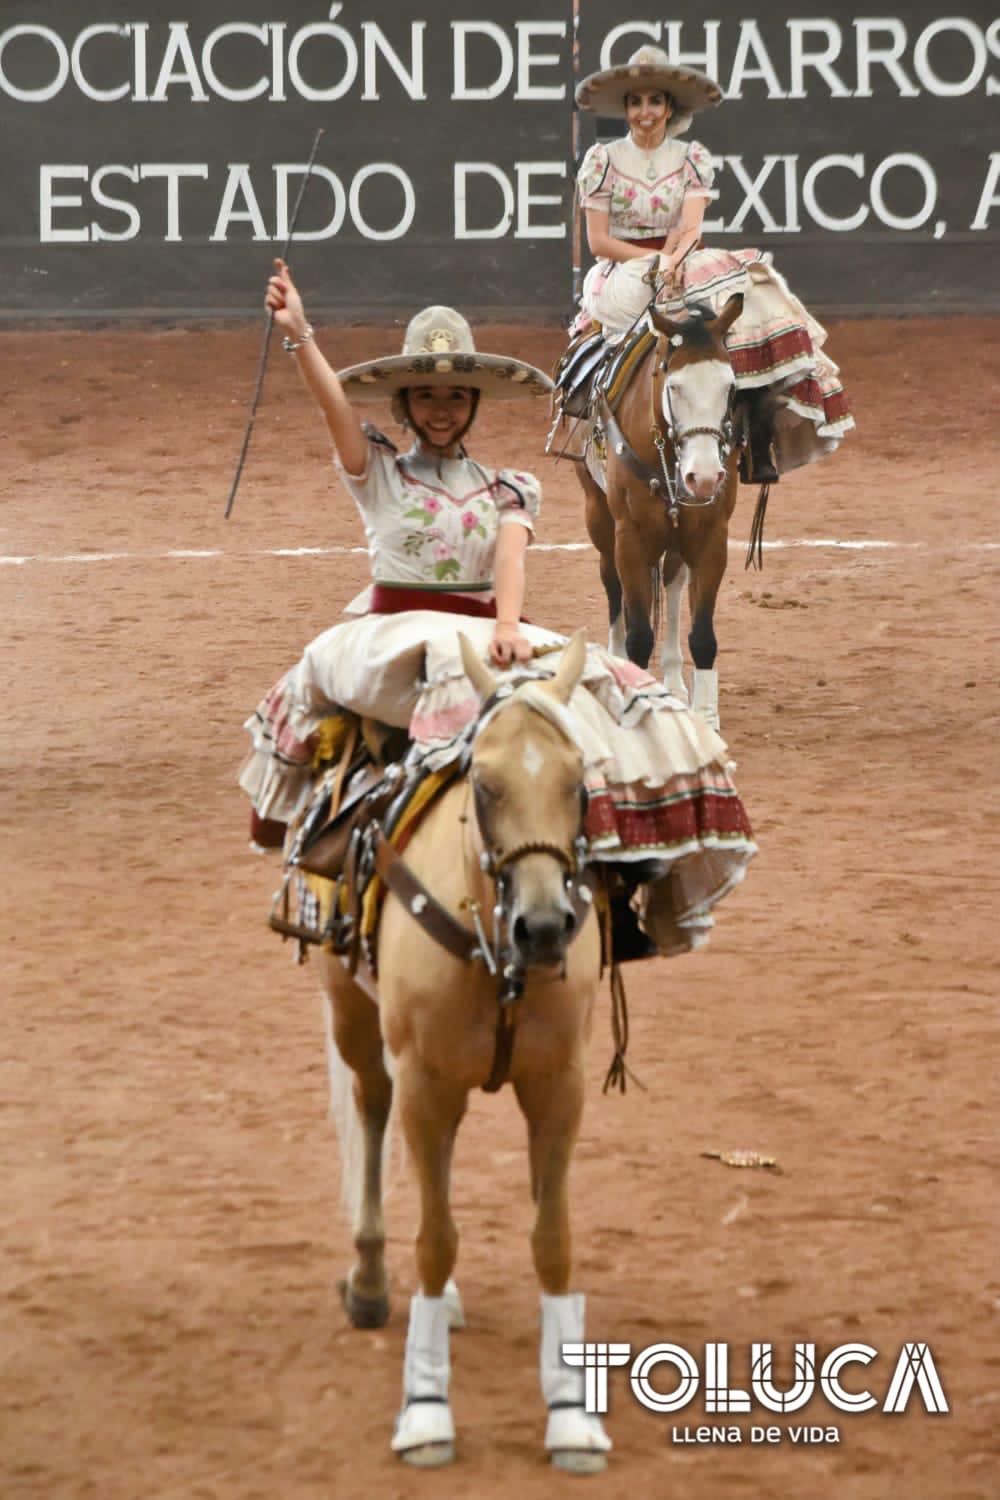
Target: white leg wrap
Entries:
(705, 698)
(426, 1416)
(453, 1302)
(671, 658)
(616, 637)
(570, 1428)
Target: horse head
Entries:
(696, 394)
(528, 790)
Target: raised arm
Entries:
(321, 379)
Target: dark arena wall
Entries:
(161, 148)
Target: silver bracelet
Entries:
(292, 344)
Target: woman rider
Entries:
(447, 539)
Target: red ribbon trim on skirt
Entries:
(387, 599)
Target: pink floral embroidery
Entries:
(468, 520)
(441, 551)
(431, 505)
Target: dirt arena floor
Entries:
(170, 1231)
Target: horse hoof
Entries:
(579, 1461)
(429, 1455)
(364, 1312)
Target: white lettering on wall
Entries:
(462, 30)
(888, 56)
(911, 163)
(86, 88)
(810, 202)
(821, 60)
(990, 195)
(47, 90)
(48, 201)
(172, 172)
(527, 60)
(412, 77)
(226, 91)
(495, 231)
(178, 52)
(239, 183)
(527, 200)
(282, 174)
(409, 201)
(752, 43)
(118, 205)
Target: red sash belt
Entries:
(653, 244)
(390, 599)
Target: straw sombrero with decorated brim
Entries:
(650, 68)
(439, 349)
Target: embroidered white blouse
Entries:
(433, 523)
(643, 192)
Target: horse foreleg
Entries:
(360, 1101)
(430, 1109)
(601, 530)
(552, 1106)
(706, 576)
(675, 576)
(638, 577)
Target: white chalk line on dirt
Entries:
(182, 554)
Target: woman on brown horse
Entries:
(447, 538)
(644, 197)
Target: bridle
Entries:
(725, 436)
(501, 956)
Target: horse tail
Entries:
(343, 1111)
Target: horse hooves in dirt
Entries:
(577, 1461)
(430, 1456)
(364, 1312)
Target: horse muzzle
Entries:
(540, 936)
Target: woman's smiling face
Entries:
(647, 112)
(439, 413)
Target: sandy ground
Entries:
(171, 1240)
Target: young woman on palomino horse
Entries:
(644, 197)
(447, 538)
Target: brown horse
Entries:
(500, 852)
(671, 467)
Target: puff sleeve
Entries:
(699, 171)
(592, 179)
(518, 497)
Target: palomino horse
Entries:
(500, 850)
(671, 488)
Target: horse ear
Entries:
(729, 314)
(476, 671)
(663, 324)
(570, 668)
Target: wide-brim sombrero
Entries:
(649, 67)
(439, 349)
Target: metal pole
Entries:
(262, 365)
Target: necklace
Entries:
(649, 152)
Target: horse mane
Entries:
(695, 330)
(530, 692)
